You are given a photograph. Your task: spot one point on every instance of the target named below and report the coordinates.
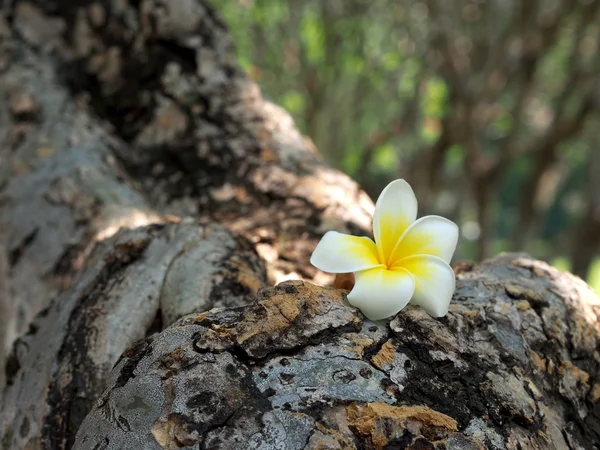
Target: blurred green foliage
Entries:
(488, 108)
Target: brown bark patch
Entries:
(361, 344)
(328, 439)
(344, 281)
(386, 354)
(375, 420)
(281, 309)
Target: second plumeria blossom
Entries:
(409, 260)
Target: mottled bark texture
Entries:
(132, 285)
(144, 181)
(200, 139)
(512, 366)
(127, 114)
(130, 113)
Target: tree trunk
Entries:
(483, 198)
(144, 181)
(528, 210)
(586, 239)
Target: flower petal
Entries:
(395, 210)
(343, 253)
(381, 293)
(434, 283)
(430, 235)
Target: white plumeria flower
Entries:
(408, 260)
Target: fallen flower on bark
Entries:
(408, 261)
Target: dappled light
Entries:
(118, 217)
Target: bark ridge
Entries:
(300, 369)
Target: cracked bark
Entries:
(133, 116)
(503, 369)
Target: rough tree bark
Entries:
(189, 139)
(508, 368)
(80, 161)
(144, 181)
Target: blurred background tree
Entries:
(489, 108)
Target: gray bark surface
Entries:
(300, 369)
(172, 128)
(144, 181)
(132, 284)
(71, 176)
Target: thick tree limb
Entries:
(132, 285)
(135, 116)
(202, 140)
(300, 369)
(62, 189)
(68, 182)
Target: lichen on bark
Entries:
(300, 369)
